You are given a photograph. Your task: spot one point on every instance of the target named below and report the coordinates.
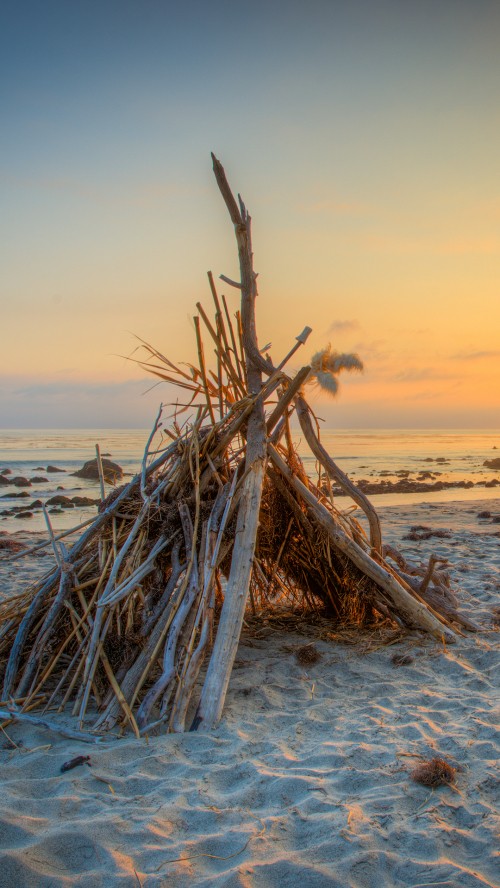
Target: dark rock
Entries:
(24, 514)
(493, 483)
(112, 471)
(484, 515)
(15, 495)
(60, 487)
(40, 469)
(6, 472)
(59, 500)
(9, 545)
(54, 469)
(442, 459)
(56, 512)
(36, 504)
(419, 532)
(4, 482)
(38, 479)
(84, 501)
(492, 463)
(19, 481)
(407, 485)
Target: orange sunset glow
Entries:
(364, 140)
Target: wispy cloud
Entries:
(419, 374)
(475, 355)
(79, 389)
(55, 403)
(424, 395)
(374, 350)
(343, 326)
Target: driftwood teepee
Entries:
(220, 519)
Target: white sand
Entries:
(307, 780)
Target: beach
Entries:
(308, 778)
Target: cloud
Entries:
(79, 389)
(49, 403)
(475, 355)
(374, 350)
(343, 326)
(418, 374)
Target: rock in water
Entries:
(20, 482)
(111, 470)
(492, 463)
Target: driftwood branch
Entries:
(231, 619)
(340, 477)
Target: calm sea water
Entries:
(360, 453)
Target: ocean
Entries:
(457, 454)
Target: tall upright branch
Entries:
(231, 619)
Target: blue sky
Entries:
(364, 138)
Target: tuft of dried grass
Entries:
(436, 772)
(307, 655)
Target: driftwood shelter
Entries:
(138, 624)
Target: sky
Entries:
(363, 136)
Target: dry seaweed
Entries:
(436, 772)
(308, 655)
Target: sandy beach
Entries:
(308, 779)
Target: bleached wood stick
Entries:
(144, 465)
(294, 386)
(100, 472)
(168, 668)
(14, 715)
(206, 607)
